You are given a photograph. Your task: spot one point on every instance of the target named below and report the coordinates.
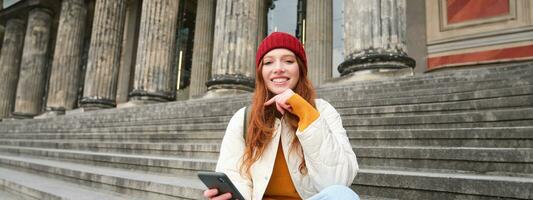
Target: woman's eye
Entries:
(267, 62)
(289, 61)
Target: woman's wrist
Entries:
(306, 113)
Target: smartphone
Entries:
(221, 182)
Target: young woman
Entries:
(295, 145)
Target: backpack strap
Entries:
(246, 121)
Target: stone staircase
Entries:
(466, 134)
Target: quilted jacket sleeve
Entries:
(231, 152)
(329, 157)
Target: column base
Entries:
(230, 82)
(19, 115)
(96, 103)
(151, 97)
(374, 59)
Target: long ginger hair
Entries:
(262, 119)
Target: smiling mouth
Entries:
(279, 80)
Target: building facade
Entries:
(60, 56)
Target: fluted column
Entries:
(30, 88)
(1, 35)
(9, 64)
(374, 33)
(154, 69)
(203, 47)
(319, 39)
(129, 51)
(234, 48)
(262, 10)
(101, 75)
(66, 64)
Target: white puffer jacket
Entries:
(329, 157)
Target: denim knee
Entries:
(340, 192)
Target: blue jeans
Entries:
(337, 192)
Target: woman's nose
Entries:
(279, 69)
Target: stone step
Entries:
(32, 186)
(437, 183)
(365, 197)
(135, 122)
(440, 87)
(139, 128)
(442, 77)
(366, 96)
(428, 79)
(130, 135)
(444, 107)
(40, 187)
(399, 119)
(478, 160)
(403, 184)
(472, 159)
(517, 100)
(503, 137)
(516, 96)
(400, 97)
(224, 100)
(112, 119)
(7, 195)
(149, 163)
(137, 183)
(182, 149)
(491, 124)
(515, 137)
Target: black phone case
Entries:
(221, 182)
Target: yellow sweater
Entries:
(280, 185)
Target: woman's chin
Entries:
(278, 90)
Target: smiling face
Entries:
(280, 70)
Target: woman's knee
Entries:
(340, 192)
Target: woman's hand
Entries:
(281, 101)
(211, 194)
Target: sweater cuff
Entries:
(305, 111)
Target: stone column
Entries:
(154, 68)
(66, 64)
(374, 33)
(101, 76)
(30, 88)
(1, 35)
(319, 40)
(129, 51)
(203, 47)
(262, 28)
(234, 48)
(9, 64)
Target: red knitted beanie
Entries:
(280, 40)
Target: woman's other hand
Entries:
(281, 101)
(211, 194)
